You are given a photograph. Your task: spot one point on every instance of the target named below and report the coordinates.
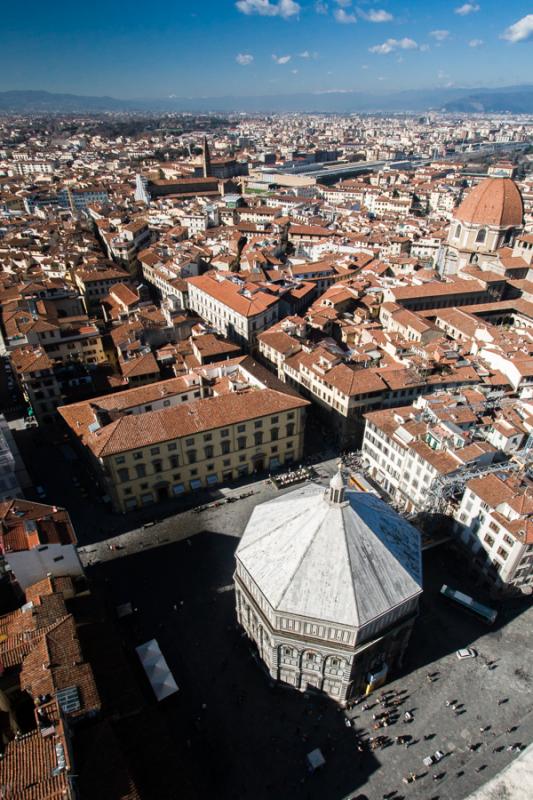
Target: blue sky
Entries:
(217, 47)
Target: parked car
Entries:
(466, 652)
(434, 759)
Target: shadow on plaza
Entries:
(442, 627)
(237, 735)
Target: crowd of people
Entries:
(385, 712)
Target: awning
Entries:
(156, 668)
(212, 479)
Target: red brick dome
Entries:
(494, 201)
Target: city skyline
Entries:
(262, 47)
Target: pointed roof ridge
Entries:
(344, 563)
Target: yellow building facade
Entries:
(150, 457)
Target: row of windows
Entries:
(209, 450)
(125, 475)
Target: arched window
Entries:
(311, 660)
(457, 231)
(481, 235)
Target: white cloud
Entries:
(424, 48)
(394, 44)
(244, 59)
(375, 15)
(281, 59)
(475, 42)
(294, 71)
(281, 8)
(320, 7)
(440, 36)
(333, 91)
(308, 54)
(344, 3)
(441, 75)
(467, 8)
(343, 17)
(364, 66)
(520, 31)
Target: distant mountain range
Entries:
(514, 99)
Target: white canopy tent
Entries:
(315, 759)
(156, 668)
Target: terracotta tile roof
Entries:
(25, 524)
(141, 430)
(50, 585)
(56, 662)
(81, 415)
(437, 289)
(441, 460)
(208, 345)
(123, 293)
(231, 294)
(280, 341)
(494, 201)
(144, 364)
(30, 360)
(21, 629)
(36, 766)
(105, 274)
(353, 382)
(310, 230)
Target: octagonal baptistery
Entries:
(327, 584)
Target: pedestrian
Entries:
(448, 703)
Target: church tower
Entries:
(206, 159)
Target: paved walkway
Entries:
(220, 516)
(515, 782)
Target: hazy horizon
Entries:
(263, 47)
